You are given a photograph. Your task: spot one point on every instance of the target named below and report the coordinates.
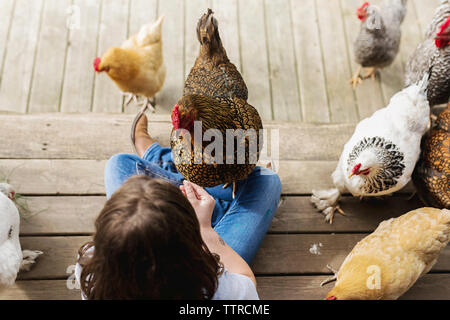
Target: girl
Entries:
(155, 241)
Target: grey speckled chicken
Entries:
(433, 54)
(378, 41)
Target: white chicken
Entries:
(12, 258)
(380, 156)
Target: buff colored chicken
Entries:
(137, 66)
(385, 264)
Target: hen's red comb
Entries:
(176, 117)
(96, 63)
(441, 42)
(360, 11)
(356, 168)
(331, 298)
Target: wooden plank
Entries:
(430, 287)
(50, 177)
(109, 134)
(313, 92)
(293, 250)
(61, 215)
(59, 254)
(20, 56)
(282, 61)
(85, 177)
(411, 35)
(424, 11)
(41, 290)
(173, 48)
(392, 77)
(298, 215)
(141, 12)
(82, 49)
(6, 13)
(112, 33)
(255, 65)
(336, 62)
(226, 13)
(368, 94)
(49, 71)
(75, 215)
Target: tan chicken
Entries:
(137, 66)
(385, 264)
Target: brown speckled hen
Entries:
(432, 173)
(433, 54)
(216, 95)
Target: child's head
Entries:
(147, 245)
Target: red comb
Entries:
(96, 63)
(441, 43)
(356, 168)
(176, 117)
(359, 11)
(331, 298)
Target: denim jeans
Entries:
(241, 222)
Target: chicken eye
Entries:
(10, 233)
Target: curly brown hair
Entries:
(148, 246)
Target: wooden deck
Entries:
(60, 122)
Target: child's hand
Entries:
(201, 201)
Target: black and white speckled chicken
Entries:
(380, 156)
(433, 54)
(378, 41)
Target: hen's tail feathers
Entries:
(150, 33)
(208, 30)
(423, 84)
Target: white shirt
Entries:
(231, 286)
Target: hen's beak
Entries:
(351, 175)
(12, 196)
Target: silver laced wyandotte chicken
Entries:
(381, 155)
(378, 41)
(385, 264)
(431, 176)
(433, 54)
(215, 95)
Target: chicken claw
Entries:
(356, 78)
(28, 259)
(329, 213)
(371, 72)
(149, 103)
(331, 279)
(128, 97)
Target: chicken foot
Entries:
(357, 79)
(331, 279)
(149, 103)
(28, 259)
(330, 211)
(371, 72)
(128, 97)
(234, 188)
